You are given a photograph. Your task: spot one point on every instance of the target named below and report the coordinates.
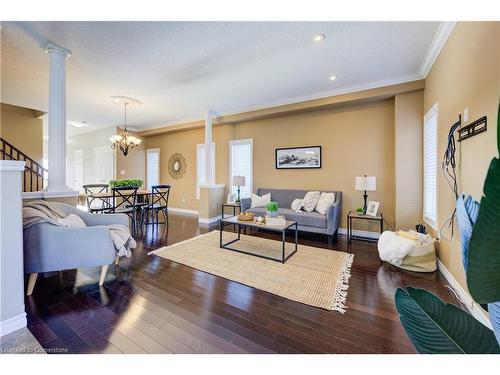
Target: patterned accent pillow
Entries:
(310, 200)
(325, 201)
(258, 201)
(297, 205)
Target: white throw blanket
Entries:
(393, 248)
(38, 212)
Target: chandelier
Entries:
(125, 141)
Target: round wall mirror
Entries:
(177, 166)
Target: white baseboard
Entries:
(13, 324)
(474, 308)
(361, 233)
(183, 211)
(211, 220)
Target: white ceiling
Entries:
(179, 70)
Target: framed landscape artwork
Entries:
(298, 157)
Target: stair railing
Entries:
(34, 176)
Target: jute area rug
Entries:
(313, 276)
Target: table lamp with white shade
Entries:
(365, 183)
(238, 181)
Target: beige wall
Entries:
(408, 158)
(355, 140)
(21, 127)
(134, 164)
(465, 75)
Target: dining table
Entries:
(141, 193)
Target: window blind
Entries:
(153, 167)
(430, 167)
(241, 164)
(200, 166)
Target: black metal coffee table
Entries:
(233, 220)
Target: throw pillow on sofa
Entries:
(311, 200)
(325, 201)
(258, 201)
(297, 204)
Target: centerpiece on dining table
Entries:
(131, 182)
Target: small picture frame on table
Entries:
(372, 208)
(231, 198)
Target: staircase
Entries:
(34, 176)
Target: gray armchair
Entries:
(50, 248)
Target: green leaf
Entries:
(127, 182)
(438, 328)
(483, 271)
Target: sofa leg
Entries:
(330, 240)
(104, 270)
(31, 283)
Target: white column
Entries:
(57, 118)
(209, 162)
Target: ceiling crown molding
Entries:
(443, 32)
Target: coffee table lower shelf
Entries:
(290, 225)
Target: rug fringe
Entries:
(182, 242)
(340, 296)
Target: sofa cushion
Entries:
(260, 201)
(297, 204)
(310, 200)
(325, 201)
(310, 219)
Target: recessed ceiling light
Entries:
(333, 78)
(319, 37)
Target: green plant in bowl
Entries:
(126, 182)
(359, 211)
(272, 209)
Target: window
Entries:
(200, 166)
(430, 166)
(241, 164)
(153, 167)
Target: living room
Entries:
(280, 187)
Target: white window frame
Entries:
(240, 142)
(199, 166)
(149, 150)
(433, 112)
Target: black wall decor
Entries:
(298, 157)
(476, 127)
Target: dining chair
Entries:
(124, 202)
(157, 204)
(97, 204)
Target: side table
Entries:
(234, 206)
(352, 215)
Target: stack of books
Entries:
(278, 220)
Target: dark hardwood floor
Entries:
(152, 305)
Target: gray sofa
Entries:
(307, 221)
(51, 248)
